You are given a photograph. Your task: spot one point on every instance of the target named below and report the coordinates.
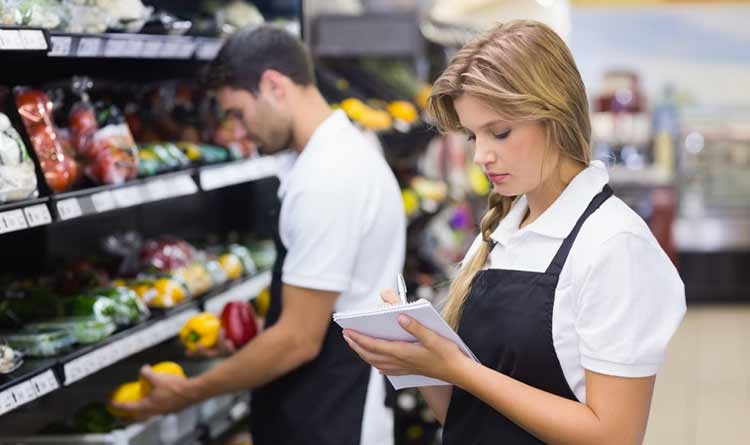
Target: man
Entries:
(341, 238)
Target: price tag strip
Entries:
(245, 291)
(247, 171)
(69, 209)
(182, 185)
(61, 46)
(100, 358)
(27, 391)
(103, 201)
(37, 215)
(12, 220)
(128, 196)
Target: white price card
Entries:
(152, 49)
(45, 383)
(24, 393)
(37, 215)
(103, 201)
(128, 196)
(7, 401)
(186, 50)
(134, 48)
(208, 50)
(60, 46)
(12, 221)
(33, 39)
(89, 47)
(182, 185)
(69, 209)
(115, 48)
(10, 40)
(170, 50)
(157, 190)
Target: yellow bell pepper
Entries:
(202, 329)
(162, 368)
(125, 393)
(232, 265)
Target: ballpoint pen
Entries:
(401, 289)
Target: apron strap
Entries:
(558, 261)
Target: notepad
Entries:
(383, 323)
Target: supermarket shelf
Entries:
(219, 176)
(351, 36)
(40, 377)
(105, 198)
(108, 46)
(133, 46)
(647, 177)
(24, 215)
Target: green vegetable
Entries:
(95, 418)
(84, 330)
(129, 309)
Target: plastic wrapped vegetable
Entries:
(17, 173)
(10, 360)
(196, 276)
(129, 308)
(44, 343)
(94, 418)
(92, 305)
(166, 254)
(58, 165)
(85, 330)
(161, 293)
(103, 138)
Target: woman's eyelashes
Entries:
(503, 134)
(471, 137)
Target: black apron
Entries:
(320, 403)
(507, 323)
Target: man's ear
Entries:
(274, 84)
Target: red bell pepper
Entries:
(238, 320)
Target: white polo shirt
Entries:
(343, 224)
(619, 299)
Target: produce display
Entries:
(10, 359)
(17, 174)
(84, 303)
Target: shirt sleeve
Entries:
(319, 228)
(629, 307)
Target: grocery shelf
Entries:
(40, 377)
(105, 198)
(225, 175)
(24, 215)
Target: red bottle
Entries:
(238, 320)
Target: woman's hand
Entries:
(432, 355)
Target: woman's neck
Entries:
(541, 198)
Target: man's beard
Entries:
(277, 144)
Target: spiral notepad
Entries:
(383, 323)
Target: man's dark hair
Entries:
(248, 53)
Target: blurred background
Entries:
(176, 207)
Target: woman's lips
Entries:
(498, 178)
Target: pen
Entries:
(401, 288)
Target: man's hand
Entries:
(169, 393)
(224, 348)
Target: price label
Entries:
(134, 48)
(12, 221)
(170, 50)
(103, 201)
(69, 209)
(186, 50)
(10, 40)
(60, 46)
(157, 190)
(37, 215)
(7, 401)
(89, 47)
(182, 185)
(24, 393)
(46, 383)
(209, 50)
(128, 196)
(115, 48)
(33, 39)
(152, 49)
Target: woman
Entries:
(565, 297)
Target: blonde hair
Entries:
(525, 72)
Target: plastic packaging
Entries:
(85, 330)
(45, 343)
(58, 165)
(10, 360)
(17, 173)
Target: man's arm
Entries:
(293, 341)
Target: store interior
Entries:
(129, 203)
